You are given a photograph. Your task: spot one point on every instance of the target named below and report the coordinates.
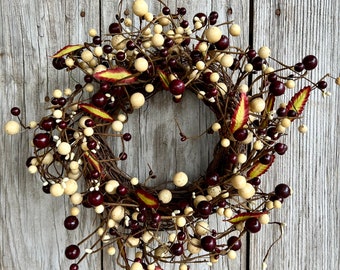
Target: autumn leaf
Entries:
(67, 49)
(244, 216)
(164, 79)
(93, 161)
(96, 111)
(259, 169)
(117, 74)
(147, 199)
(299, 100)
(241, 113)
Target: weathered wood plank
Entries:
(33, 235)
(293, 29)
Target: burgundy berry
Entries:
(241, 134)
(298, 67)
(280, 148)
(177, 87)
(322, 84)
(223, 43)
(292, 113)
(204, 208)
(182, 11)
(208, 243)
(58, 63)
(156, 217)
(74, 266)
(168, 42)
(266, 159)
(108, 48)
(257, 63)
(181, 236)
(122, 190)
(115, 28)
(212, 179)
(72, 252)
(166, 10)
(232, 158)
(272, 77)
(46, 189)
(62, 101)
(277, 88)
(234, 243)
(120, 56)
(89, 123)
(123, 156)
(91, 144)
(71, 222)
(255, 181)
(251, 54)
(95, 174)
(252, 225)
(95, 198)
(141, 217)
(15, 111)
(310, 62)
(282, 190)
(99, 99)
(97, 40)
(177, 249)
(186, 42)
(184, 24)
(48, 124)
(281, 112)
(62, 125)
(222, 203)
(54, 101)
(41, 140)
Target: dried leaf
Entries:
(67, 49)
(244, 216)
(164, 79)
(270, 101)
(147, 199)
(259, 169)
(299, 100)
(96, 111)
(93, 161)
(117, 74)
(241, 113)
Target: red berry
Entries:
(166, 10)
(177, 87)
(123, 156)
(251, 54)
(281, 112)
(322, 84)
(182, 11)
(181, 236)
(177, 249)
(15, 111)
(282, 190)
(299, 67)
(241, 134)
(89, 123)
(72, 252)
(204, 208)
(277, 88)
(223, 43)
(48, 124)
(99, 99)
(108, 48)
(310, 62)
(156, 217)
(255, 181)
(74, 266)
(95, 198)
(266, 159)
(96, 40)
(122, 190)
(127, 137)
(41, 140)
(184, 24)
(208, 243)
(252, 225)
(212, 179)
(115, 28)
(234, 243)
(71, 222)
(280, 148)
(257, 63)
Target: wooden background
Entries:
(33, 236)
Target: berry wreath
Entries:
(128, 66)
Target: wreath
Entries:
(125, 68)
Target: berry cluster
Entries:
(122, 70)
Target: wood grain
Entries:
(33, 235)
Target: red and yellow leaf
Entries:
(164, 79)
(147, 199)
(93, 161)
(299, 100)
(117, 74)
(244, 216)
(259, 169)
(67, 49)
(241, 114)
(89, 108)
